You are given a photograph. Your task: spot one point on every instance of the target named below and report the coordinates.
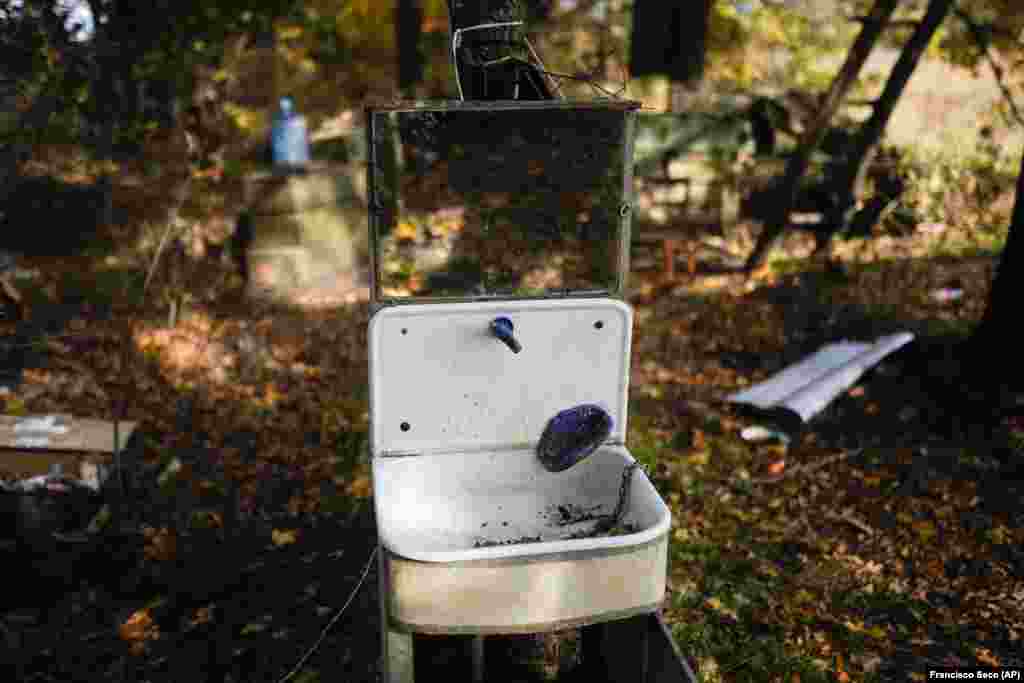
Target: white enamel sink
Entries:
(442, 507)
(474, 530)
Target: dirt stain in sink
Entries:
(570, 513)
(623, 530)
(487, 543)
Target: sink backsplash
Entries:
(441, 381)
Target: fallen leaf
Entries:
(271, 395)
(253, 627)
(985, 656)
(716, 605)
(841, 674)
(16, 407)
(406, 231)
(776, 467)
(1000, 534)
(138, 626)
(204, 614)
(162, 545)
(859, 627)
(699, 457)
(359, 487)
(877, 632)
(925, 529)
(282, 537)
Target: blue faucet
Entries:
(502, 328)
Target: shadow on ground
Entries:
(46, 216)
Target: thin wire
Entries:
(334, 619)
(552, 81)
(588, 79)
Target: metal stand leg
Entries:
(618, 648)
(396, 646)
(478, 659)
(665, 663)
(399, 659)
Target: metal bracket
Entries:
(457, 42)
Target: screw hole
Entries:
(405, 330)
(404, 426)
(599, 324)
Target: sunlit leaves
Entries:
(161, 544)
(137, 629)
(282, 537)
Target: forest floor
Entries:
(885, 540)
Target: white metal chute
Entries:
(807, 387)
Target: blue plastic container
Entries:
(289, 141)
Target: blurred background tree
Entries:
(111, 77)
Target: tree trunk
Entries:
(995, 337)
(669, 38)
(408, 25)
(866, 40)
(865, 144)
(106, 95)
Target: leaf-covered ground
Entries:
(886, 538)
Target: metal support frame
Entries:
(637, 649)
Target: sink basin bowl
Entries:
(478, 542)
(454, 507)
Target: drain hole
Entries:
(599, 324)
(404, 426)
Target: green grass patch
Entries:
(645, 445)
(959, 328)
(884, 608)
(788, 266)
(350, 448)
(785, 556)
(734, 652)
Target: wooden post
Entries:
(669, 248)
